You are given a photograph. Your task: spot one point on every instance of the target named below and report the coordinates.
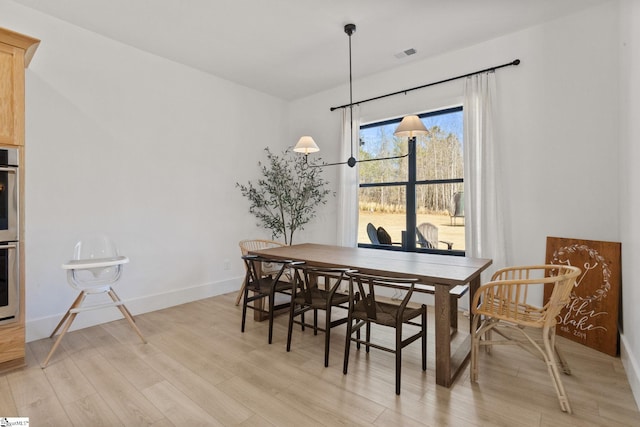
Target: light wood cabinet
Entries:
(16, 51)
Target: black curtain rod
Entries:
(514, 62)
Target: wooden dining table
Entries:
(440, 271)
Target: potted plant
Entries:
(285, 198)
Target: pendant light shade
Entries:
(306, 145)
(410, 126)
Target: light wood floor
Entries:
(198, 369)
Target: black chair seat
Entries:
(265, 284)
(320, 299)
(385, 313)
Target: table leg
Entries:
(443, 335)
(447, 368)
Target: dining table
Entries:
(442, 272)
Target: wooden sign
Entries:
(591, 317)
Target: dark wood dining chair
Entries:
(260, 286)
(251, 245)
(370, 308)
(310, 295)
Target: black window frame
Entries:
(409, 239)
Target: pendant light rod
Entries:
(402, 156)
(404, 91)
(350, 29)
(410, 125)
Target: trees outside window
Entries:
(438, 186)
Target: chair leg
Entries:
(475, 347)
(70, 320)
(272, 298)
(561, 359)
(292, 309)
(241, 291)
(398, 353)
(356, 299)
(347, 345)
(125, 312)
(487, 337)
(424, 337)
(244, 308)
(368, 336)
(315, 321)
(68, 317)
(76, 303)
(327, 334)
(553, 371)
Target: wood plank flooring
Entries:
(198, 369)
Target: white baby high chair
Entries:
(95, 267)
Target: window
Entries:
(436, 212)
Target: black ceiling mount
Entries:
(350, 29)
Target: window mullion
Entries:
(410, 233)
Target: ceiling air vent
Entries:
(405, 53)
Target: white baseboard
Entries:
(631, 368)
(42, 327)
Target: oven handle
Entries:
(6, 169)
(8, 246)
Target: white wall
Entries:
(630, 187)
(149, 151)
(556, 110)
(559, 132)
(144, 149)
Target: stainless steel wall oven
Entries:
(9, 253)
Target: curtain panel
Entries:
(348, 189)
(484, 209)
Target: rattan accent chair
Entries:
(311, 295)
(264, 286)
(501, 306)
(370, 308)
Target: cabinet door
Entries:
(11, 95)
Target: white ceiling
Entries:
(294, 48)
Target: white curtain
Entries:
(348, 182)
(484, 211)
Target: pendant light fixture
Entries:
(410, 126)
